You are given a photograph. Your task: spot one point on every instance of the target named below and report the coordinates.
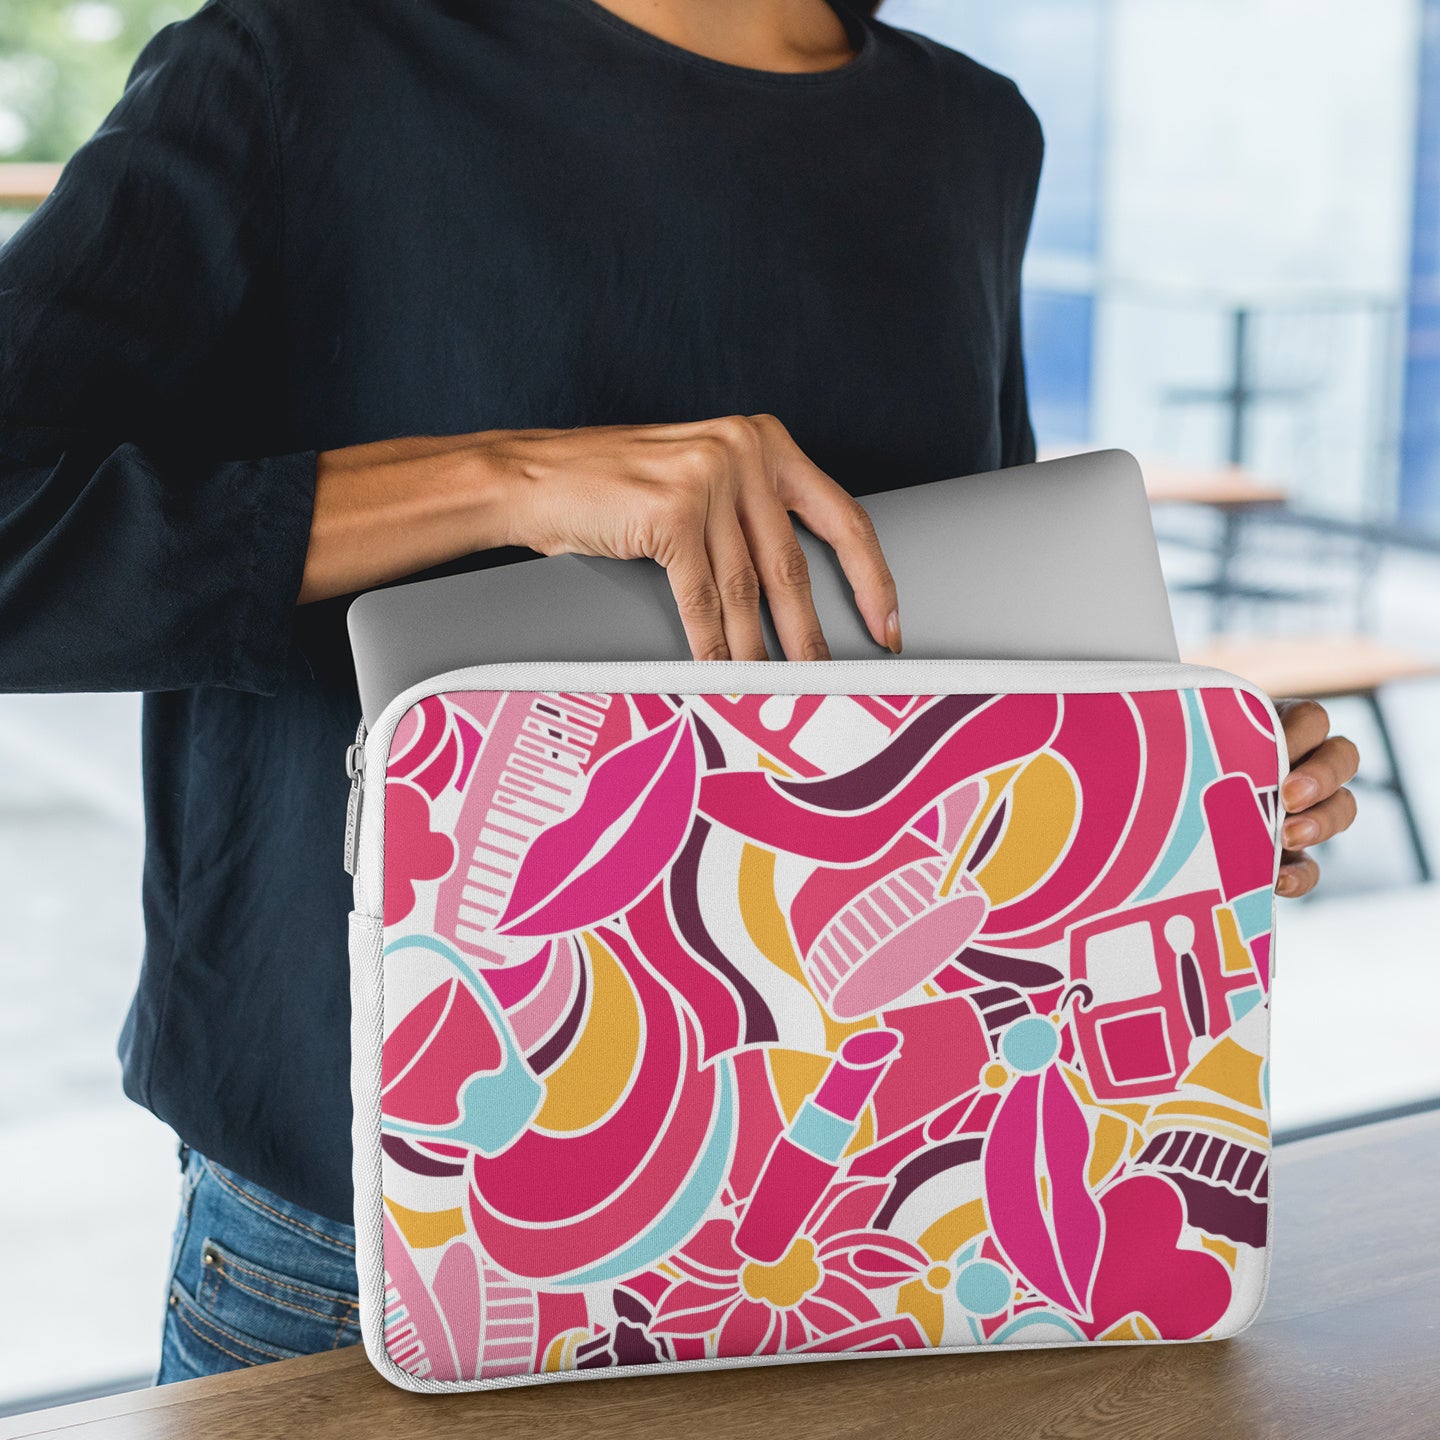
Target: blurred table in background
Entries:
(26, 185)
(1344, 1348)
(1319, 667)
(1169, 482)
(1222, 487)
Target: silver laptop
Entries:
(1049, 561)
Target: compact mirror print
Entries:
(725, 1028)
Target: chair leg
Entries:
(1397, 784)
(1222, 602)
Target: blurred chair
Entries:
(1236, 497)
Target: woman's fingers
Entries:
(1313, 793)
(738, 584)
(1306, 724)
(843, 523)
(1298, 873)
(697, 596)
(785, 574)
(756, 445)
(1319, 822)
(1324, 770)
(710, 501)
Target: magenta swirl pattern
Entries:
(726, 1026)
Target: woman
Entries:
(346, 291)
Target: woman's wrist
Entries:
(486, 486)
(504, 484)
(390, 508)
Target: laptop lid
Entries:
(1055, 560)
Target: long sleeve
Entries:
(148, 539)
(1017, 433)
(1021, 143)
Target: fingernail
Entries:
(1285, 885)
(1299, 792)
(1300, 832)
(892, 632)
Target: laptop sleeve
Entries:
(726, 1014)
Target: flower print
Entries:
(822, 1286)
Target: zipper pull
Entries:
(355, 769)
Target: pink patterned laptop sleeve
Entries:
(722, 1028)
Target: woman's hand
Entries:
(1314, 795)
(711, 502)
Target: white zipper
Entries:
(732, 677)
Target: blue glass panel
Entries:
(1059, 330)
(1419, 500)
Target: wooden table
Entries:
(1348, 1344)
(1169, 483)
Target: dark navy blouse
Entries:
(312, 223)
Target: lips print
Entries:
(629, 825)
(1039, 1129)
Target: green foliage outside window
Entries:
(63, 64)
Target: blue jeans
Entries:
(253, 1278)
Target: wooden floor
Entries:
(1348, 1345)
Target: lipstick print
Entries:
(807, 1156)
